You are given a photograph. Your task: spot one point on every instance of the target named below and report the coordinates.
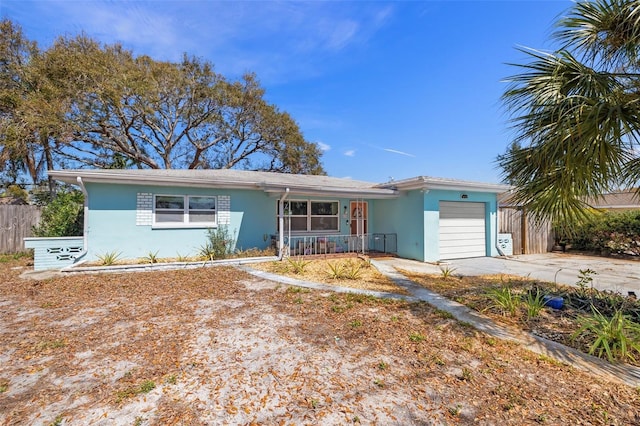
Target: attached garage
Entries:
(462, 230)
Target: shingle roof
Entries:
(612, 200)
(619, 199)
(429, 182)
(242, 179)
(271, 182)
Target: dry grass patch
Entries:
(518, 302)
(353, 272)
(218, 346)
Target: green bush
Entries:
(63, 216)
(219, 243)
(610, 232)
(16, 191)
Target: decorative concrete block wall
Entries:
(224, 210)
(144, 209)
(54, 253)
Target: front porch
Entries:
(312, 245)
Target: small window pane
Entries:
(202, 216)
(169, 202)
(169, 216)
(298, 208)
(202, 203)
(297, 224)
(324, 223)
(324, 208)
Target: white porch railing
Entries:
(307, 245)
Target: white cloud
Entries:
(281, 41)
(395, 151)
(350, 153)
(277, 40)
(323, 146)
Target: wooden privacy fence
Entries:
(528, 237)
(15, 224)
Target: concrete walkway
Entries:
(615, 275)
(626, 374)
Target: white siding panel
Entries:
(462, 230)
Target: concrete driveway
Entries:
(615, 275)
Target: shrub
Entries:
(17, 192)
(617, 337)
(63, 216)
(447, 272)
(610, 232)
(219, 243)
(352, 270)
(335, 270)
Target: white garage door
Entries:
(462, 230)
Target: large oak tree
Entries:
(83, 104)
(31, 109)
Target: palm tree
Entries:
(576, 113)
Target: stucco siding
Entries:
(116, 223)
(402, 216)
(120, 220)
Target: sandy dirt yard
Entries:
(215, 346)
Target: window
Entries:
(184, 210)
(308, 216)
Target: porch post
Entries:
(281, 224)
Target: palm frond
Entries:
(603, 31)
(577, 126)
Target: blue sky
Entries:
(387, 89)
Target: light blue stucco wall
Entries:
(112, 222)
(415, 218)
(402, 216)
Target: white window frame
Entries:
(309, 216)
(186, 223)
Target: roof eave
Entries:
(89, 177)
(71, 177)
(423, 183)
(332, 192)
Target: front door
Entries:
(358, 219)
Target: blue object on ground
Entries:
(555, 302)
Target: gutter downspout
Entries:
(281, 224)
(85, 228)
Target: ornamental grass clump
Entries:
(534, 303)
(109, 258)
(298, 265)
(335, 270)
(504, 299)
(348, 270)
(617, 337)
